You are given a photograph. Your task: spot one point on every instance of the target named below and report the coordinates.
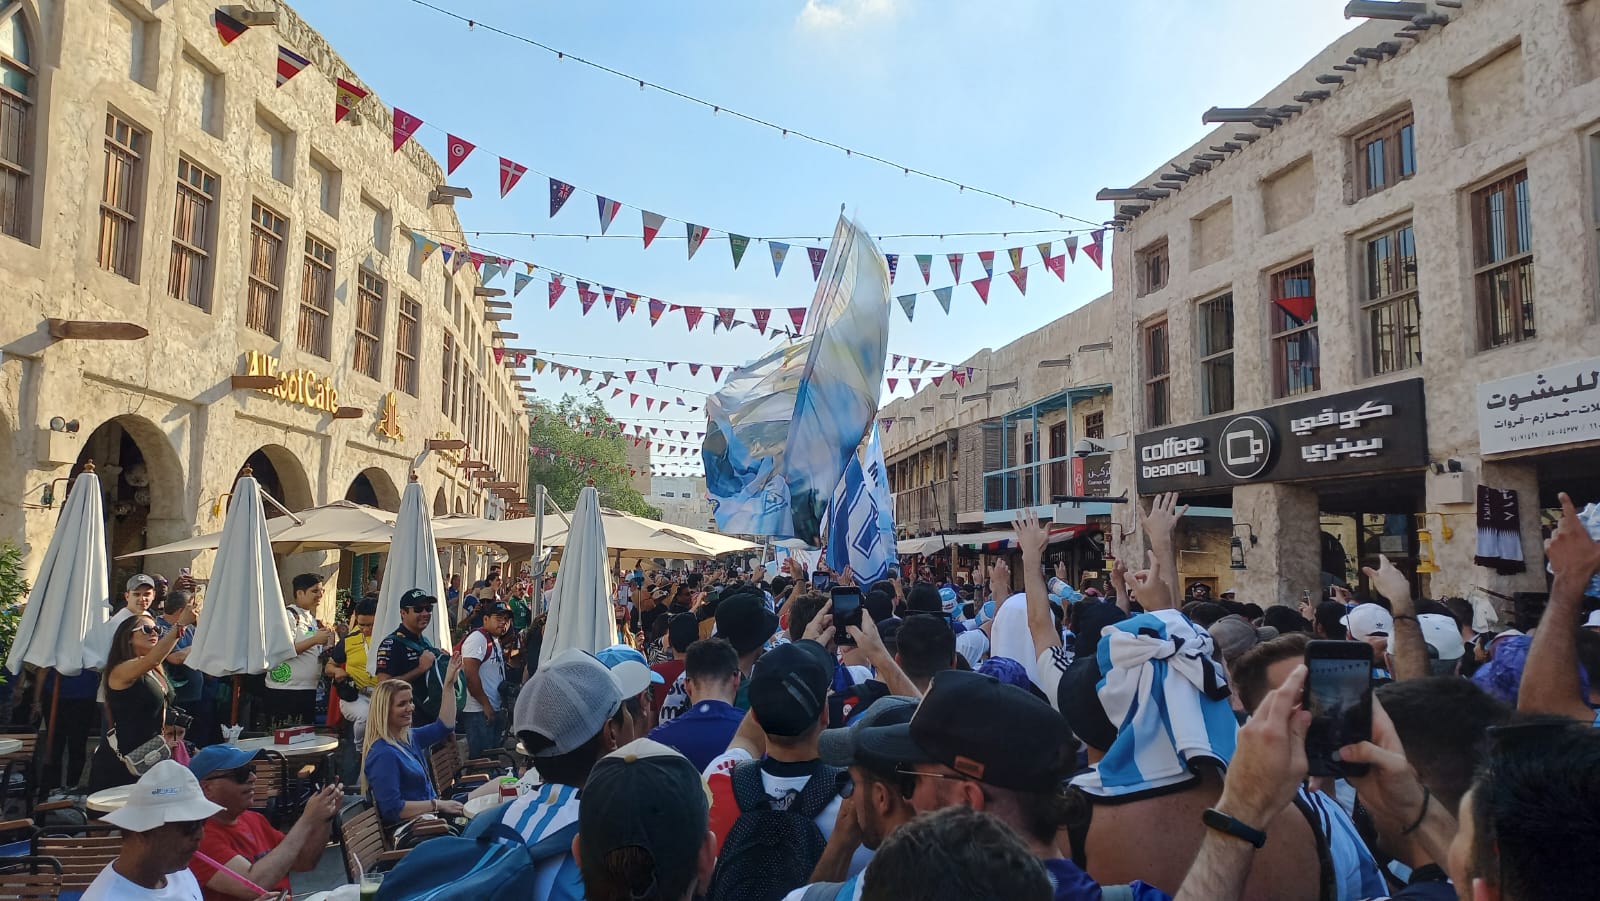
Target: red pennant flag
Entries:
(652, 225)
(656, 309)
(652, 374)
(229, 28)
(499, 355)
(761, 317)
(726, 315)
(916, 384)
(960, 377)
(1095, 248)
(556, 288)
(691, 315)
(1072, 248)
(510, 173)
(981, 285)
(986, 257)
(632, 398)
(629, 375)
(937, 379)
(404, 125)
(559, 192)
(1058, 265)
(955, 265)
(817, 254)
(616, 393)
(893, 383)
(716, 372)
(797, 315)
(694, 368)
(345, 98)
(459, 150)
(649, 404)
(1020, 276)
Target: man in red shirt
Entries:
(242, 840)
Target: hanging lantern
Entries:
(1236, 553)
(1425, 552)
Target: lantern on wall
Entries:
(1236, 546)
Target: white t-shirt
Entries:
(111, 886)
(491, 669)
(782, 789)
(300, 672)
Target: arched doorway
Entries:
(459, 509)
(374, 488)
(280, 474)
(441, 506)
(144, 491)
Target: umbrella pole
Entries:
(50, 734)
(234, 719)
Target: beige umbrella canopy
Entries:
(515, 535)
(340, 525)
(635, 536)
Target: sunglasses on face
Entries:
(148, 630)
(240, 775)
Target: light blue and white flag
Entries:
(861, 518)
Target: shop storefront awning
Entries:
(1003, 537)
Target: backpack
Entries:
(493, 865)
(429, 690)
(769, 853)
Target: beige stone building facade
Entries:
(150, 175)
(682, 501)
(1370, 295)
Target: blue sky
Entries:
(1039, 100)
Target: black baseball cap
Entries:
(842, 747)
(417, 599)
(493, 607)
(648, 796)
(789, 687)
(970, 723)
(744, 620)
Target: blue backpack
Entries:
(495, 864)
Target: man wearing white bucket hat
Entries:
(161, 828)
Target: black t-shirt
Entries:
(399, 653)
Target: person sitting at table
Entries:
(137, 695)
(352, 685)
(395, 770)
(241, 840)
(161, 827)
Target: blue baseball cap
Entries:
(219, 758)
(947, 599)
(630, 669)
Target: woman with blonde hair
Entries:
(394, 758)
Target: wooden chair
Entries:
(20, 778)
(30, 878)
(363, 844)
(277, 794)
(82, 851)
(453, 775)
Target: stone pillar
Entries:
(1287, 560)
(1457, 574)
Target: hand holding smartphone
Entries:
(846, 613)
(1339, 698)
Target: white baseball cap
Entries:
(167, 793)
(1593, 622)
(1367, 620)
(1441, 633)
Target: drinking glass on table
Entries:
(370, 882)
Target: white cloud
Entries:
(839, 15)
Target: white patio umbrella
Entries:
(413, 563)
(68, 600)
(580, 605)
(244, 628)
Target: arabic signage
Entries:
(1557, 405)
(297, 386)
(1371, 430)
(1091, 475)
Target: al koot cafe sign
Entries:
(297, 386)
(1372, 430)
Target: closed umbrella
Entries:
(580, 605)
(413, 563)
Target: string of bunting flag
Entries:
(717, 368)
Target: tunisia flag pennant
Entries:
(1058, 265)
(459, 150)
(697, 236)
(817, 254)
(908, 302)
(960, 377)
(986, 257)
(559, 192)
(780, 251)
(691, 315)
(345, 98)
(1016, 258)
(1072, 248)
(737, 243)
(608, 211)
(556, 289)
(894, 262)
(955, 264)
(797, 315)
(943, 294)
(981, 285)
(925, 263)
(716, 372)
(404, 125)
(726, 315)
(892, 383)
(761, 317)
(1095, 249)
(1020, 276)
(510, 173)
(652, 225)
(656, 309)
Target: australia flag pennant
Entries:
(559, 192)
(861, 517)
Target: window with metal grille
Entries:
(1390, 302)
(1502, 237)
(189, 270)
(264, 289)
(1157, 375)
(1292, 324)
(447, 393)
(370, 292)
(16, 120)
(1094, 424)
(407, 345)
(316, 299)
(1385, 155)
(1214, 321)
(1154, 268)
(119, 196)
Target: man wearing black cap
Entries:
(405, 652)
(483, 662)
(744, 620)
(642, 827)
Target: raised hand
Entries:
(1570, 550)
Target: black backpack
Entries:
(770, 853)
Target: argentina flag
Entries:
(861, 518)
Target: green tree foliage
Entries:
(563, 458)
(13, 592)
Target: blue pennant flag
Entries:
(520, 280)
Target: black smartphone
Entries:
(1339, 698)
(846, 613)
(820, 580)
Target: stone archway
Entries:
(441, 507)
(373, 487)
(141, 478)
(281, 475)
(459, 509)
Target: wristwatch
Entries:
(1222, 822)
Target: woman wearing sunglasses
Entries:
(137, 695)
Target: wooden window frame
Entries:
(1385, 294)
(1212, 358)
(1156, 340)
(315, 328)
(121, 199)
(192, 241)
(1094, 424)
(1512, 268)
(1281, 334)
(447, 396)
(1154, 265)
(407, 344)
(1396, 131)
(372, 294)
(17, 109)
(269, 232)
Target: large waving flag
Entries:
(784, 428)
(861, 518)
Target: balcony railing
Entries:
(926, 508)
(1013, 488)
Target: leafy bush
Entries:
(13, 591)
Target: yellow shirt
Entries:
(354, 652)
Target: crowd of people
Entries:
(1003, 740)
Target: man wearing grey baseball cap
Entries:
(568, 716)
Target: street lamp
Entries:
(1236, 546)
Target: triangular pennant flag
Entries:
(656, 309)
(737, 243)
(622, 308)
(981, 285)
(1072, 248)
(652, 374)
(630, 375)
(461, 259)
(556, 287)
(894, 361)
(456, 150)
(694, 368)
(697, 236)
(893, 383)
(691, 316)
(955, 265)
(559, 192)
(1016, 258)
(492, 269)
(530, 267)
(608, 293)
(586, 297)
(1020, 276)
(499, 355)
(894, 263)
(1095, 249)
(937, 379)
(652, 225)
(943, 294)
(911, 363)
(761, 317)
(477, 261)
(797, 315)
(423, 246)
(538, 366)
(780, 251)
(1044, 250)
(726, 315)
(289, 64)
(510, 173)
(969, 372)
(649, 403)
(908, 302)
(916, 384)
(960, 377)
(229, 28)
(633, 399)
(608, 211)
(817, 255)
(519, 281)
(716, 373)
(1058, 265)
(345, 98)
(925, 263)
(986, 258)
(670, 364)
(405, 125)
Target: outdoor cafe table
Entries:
(9, 746)
(109, 799)
(320, 744)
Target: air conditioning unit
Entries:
(252, 17)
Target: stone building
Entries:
(682, 501)
(1367, 301)
(153, 179)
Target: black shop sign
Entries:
(1361, 432)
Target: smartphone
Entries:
(820, 580)
(846, 613)
(1339, 698)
